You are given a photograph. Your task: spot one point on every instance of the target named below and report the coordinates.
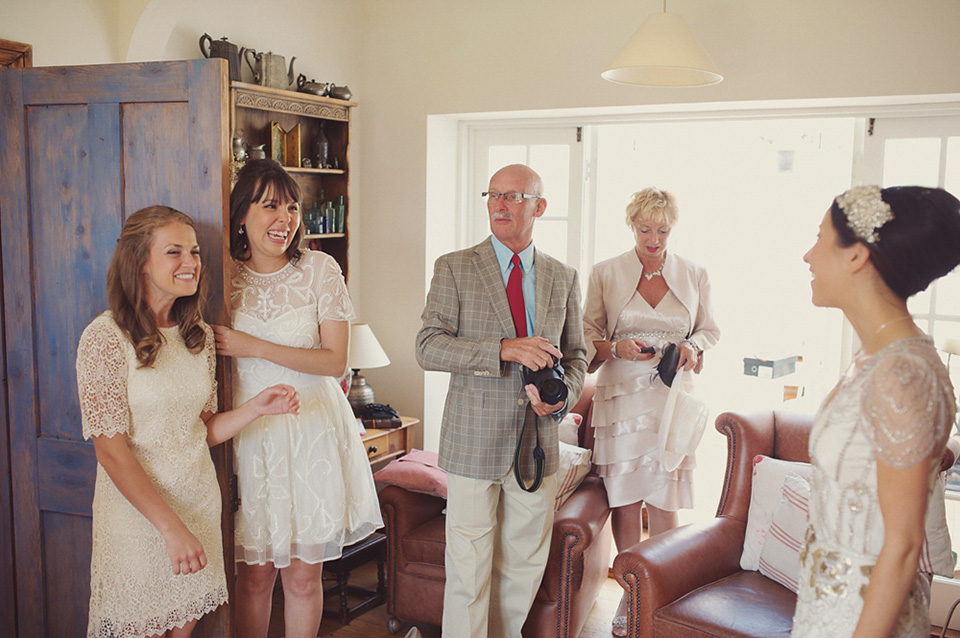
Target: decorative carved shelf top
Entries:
(268, 99)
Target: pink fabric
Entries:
(418, 471)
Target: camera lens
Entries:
(552, 390)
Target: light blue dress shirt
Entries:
(505, 260)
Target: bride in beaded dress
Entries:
(878, 438)
(306, 488)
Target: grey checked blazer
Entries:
(465, 317)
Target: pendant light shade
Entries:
(663, 52)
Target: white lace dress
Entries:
(627, 407)
(133, 590)
(897, 406)
(306, 488)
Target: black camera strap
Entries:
(539, 457)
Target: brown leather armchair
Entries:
(688, 582)
(576, 568)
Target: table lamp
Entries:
(365, 352)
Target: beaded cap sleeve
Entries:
(906, 407)
(102, 378)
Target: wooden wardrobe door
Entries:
(81, 148)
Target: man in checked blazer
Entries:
(497, 535)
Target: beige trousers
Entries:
(498, 539)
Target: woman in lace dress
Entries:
(306, 488)
(145, 375)
(878, 438)
(643, 298)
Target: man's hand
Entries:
(534, 352)
(541, 408)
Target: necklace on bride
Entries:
(655, 273)
(889, 323)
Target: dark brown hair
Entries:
(920, 244)
(254, 179)
(127, 292)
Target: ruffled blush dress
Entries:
(628, 404)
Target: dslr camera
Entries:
(549, 382)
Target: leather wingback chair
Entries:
(688, 582)
(577, 566)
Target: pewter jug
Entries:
(269, 69)
(223, 49)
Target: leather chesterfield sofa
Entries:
(577, 566)
(688, 582)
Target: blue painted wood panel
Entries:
(81, 148)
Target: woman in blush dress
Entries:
(148, 398)
(306, 489)
(878, 438)
(643, 299)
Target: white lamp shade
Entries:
(663, 52)
(951, 346)
(365, 350)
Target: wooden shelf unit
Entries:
(252, 110)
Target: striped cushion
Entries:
(780, 554)
(574, 465)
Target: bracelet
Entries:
(613, 349)
(696, 348)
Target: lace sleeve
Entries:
(333, 300)
(907, 408)
(210, 352)
(102, 381)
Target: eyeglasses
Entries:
(512, 197)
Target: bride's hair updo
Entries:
(920, 243)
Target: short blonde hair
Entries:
(652, 205)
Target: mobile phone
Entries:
(648, 350)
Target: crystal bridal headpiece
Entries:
(866, 211)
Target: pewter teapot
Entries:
(313, 87)
(269, 69)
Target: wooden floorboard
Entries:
(373, 624)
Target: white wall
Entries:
(408, 59)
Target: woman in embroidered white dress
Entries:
(306, 489)
(643, 298)
(145, 375)
(878, 438)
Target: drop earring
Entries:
(241, 231)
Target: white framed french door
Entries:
(556, 153)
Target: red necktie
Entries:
(515, 297)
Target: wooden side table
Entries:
(386, 444)
(372, 547)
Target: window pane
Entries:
(550, 236)
(919, 304)
(911, 162)
(500, 156)
(552, 162)
(952, 178)
(948, 294)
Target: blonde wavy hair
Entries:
(127, 291)
(653, 205)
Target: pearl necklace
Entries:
(658, 271)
